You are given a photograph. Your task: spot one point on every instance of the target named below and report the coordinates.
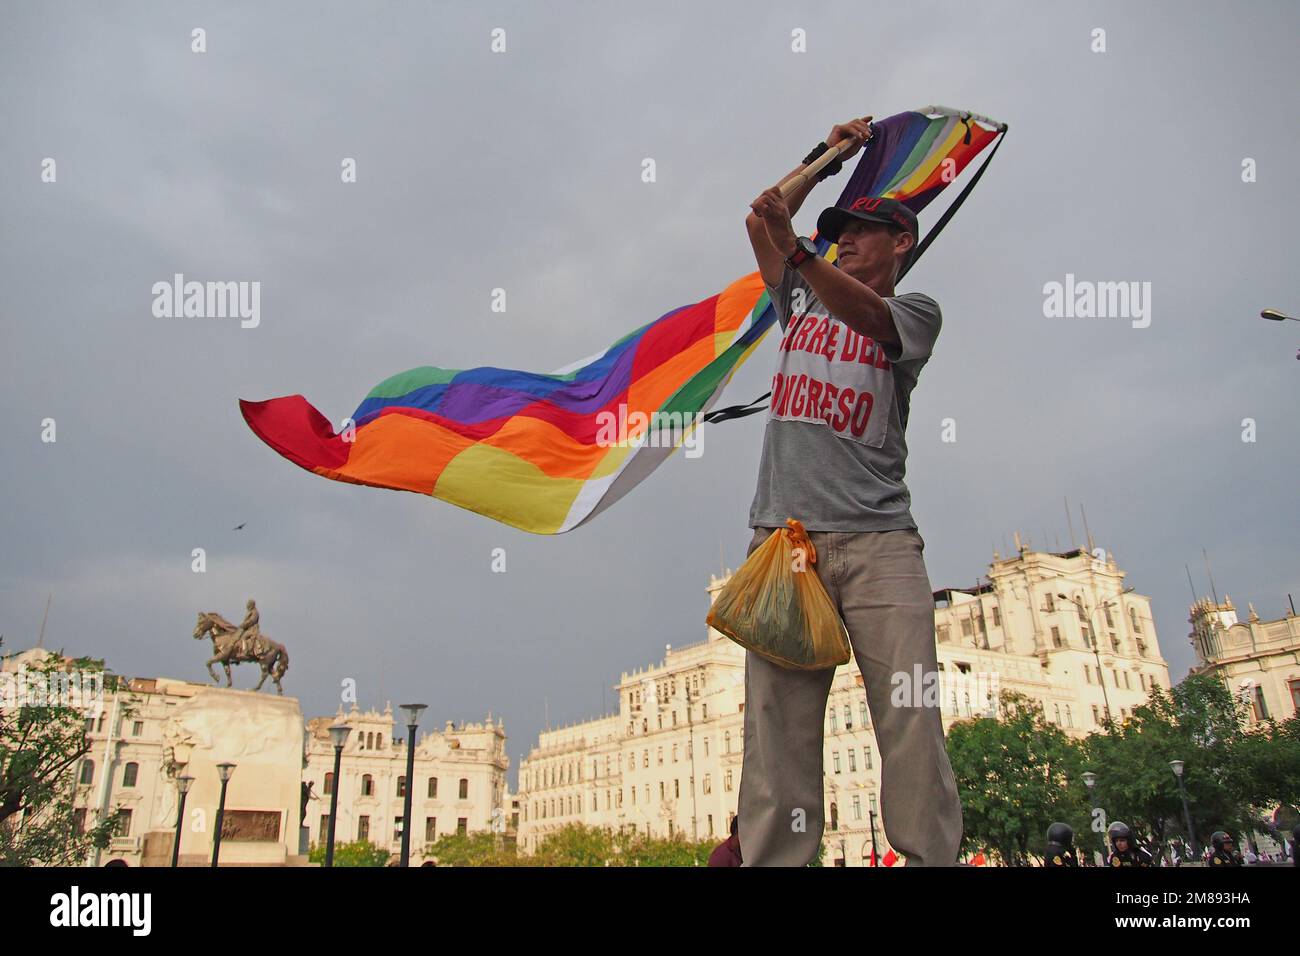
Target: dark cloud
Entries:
(521, 171)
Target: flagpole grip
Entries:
(809, 173)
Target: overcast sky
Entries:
(521, 170)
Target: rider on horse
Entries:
(249, 633)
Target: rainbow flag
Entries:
(548, 452)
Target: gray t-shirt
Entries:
(834, 452)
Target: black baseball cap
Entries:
(868, 209)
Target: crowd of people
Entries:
(1125, 850)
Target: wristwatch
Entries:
(804, 249)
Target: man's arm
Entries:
(856, 305)
(771, 261)
(852, 302)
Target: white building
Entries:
(460, 781)
(669, 761)
(155, 730)
(1257, 660)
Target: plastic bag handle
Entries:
(798, 538)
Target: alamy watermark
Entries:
(971, 692)
(1084, 299)
(624, 429)
(208, 300)
(79, 690)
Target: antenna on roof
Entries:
(1190, 585)
(1086, 529)
(1069, 521)
(40, 640)
(1213, 591)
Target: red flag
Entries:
(890, 858)
(978, 859)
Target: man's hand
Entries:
(859, 130)
(771, 208)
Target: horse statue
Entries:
(232, 644)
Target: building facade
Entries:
(669, 761)
(152, 731)
(1257, 660)
(460, 782)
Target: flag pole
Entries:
(809, 172)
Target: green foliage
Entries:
(1232, 776)
(1017, 774)
(41, 746)
(579, 845)
(358, 853)
(572, 845)
(1014, 776)
(470, 849)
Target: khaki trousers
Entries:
(878, 582)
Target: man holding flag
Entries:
(834, 458)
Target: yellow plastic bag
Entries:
(776, 606)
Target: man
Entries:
(1060, 846)
(727, 853)
(1225, 853)
(246, 639)
(833, 457)
(1124, 851)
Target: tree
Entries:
(1016, 775)
(359, 853)
(468, 849)
(42, 742)
(1198, 722)
(1265, 771)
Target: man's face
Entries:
(867, 249)
(1121, 844)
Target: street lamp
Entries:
(1096, 647)
(224, 770)
(183, 784)
(412, 712)
(874, 858)
(1177, 766)
(1277, 315)
(1090, 781)
(338, 737)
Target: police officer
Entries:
(1295, 845)
(1124, 852)
(1225, 854)
(1060, 846)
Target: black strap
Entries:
(742, 411)
(951, 210)
(737, 411)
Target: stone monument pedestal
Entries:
(262, 735)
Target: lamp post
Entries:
(1090, 781)
(412, 712)
(224, 770)
(874, 858)
(183, 784)
(1276, 315)
(338, 737)
(690, 752)
(1177, 766)
(1096, 647)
